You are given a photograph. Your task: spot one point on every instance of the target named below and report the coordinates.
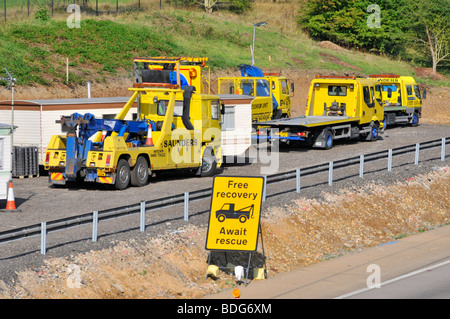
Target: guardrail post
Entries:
(43, 237)
(361, 165)
(94, 225)
(390, 160)
(186, 206)
(330, 174)
(443, 150)
(142, 217)
(264, 189)
(297, 179)
(416, 158)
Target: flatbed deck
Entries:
(309, 121)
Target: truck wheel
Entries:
(374, 132)
(139, 173)
(122, 174)
(415, 119)
(328, 139)
(208, 163)
(221, 218)
(242, 218)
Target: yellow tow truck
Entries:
(176, 128)
(272, 92)
(400, 97)
(337, 108)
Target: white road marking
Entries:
(395, 279)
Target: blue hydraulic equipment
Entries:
(81, 127)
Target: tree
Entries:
(431, 22)
(345, 22)
(209, 5)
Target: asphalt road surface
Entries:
(416, 267)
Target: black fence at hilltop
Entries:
(45, 9)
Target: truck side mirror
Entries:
(424, 94)
(292, 87)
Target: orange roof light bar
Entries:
(187, 60)
(335, 77)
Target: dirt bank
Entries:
(296, 234)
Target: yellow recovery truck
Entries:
(176, 128)
(400, 97)
(271, 91)
(337, 108)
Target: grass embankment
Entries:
(103, 48)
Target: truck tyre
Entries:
(122, 174)
(374, 131)
(208, 163)
(415, 119)
(139, 173)
(328, 139)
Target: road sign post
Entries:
(234, 220)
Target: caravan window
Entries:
(229, 118)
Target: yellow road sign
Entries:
(235, 213)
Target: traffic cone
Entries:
(149, 136)
(10, 203)
(103, 135)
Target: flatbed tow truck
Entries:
(400, 97)
(337, 108)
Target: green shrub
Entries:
(42, 14)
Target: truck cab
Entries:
(272, 92)
(258, 88)
(401, 98)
